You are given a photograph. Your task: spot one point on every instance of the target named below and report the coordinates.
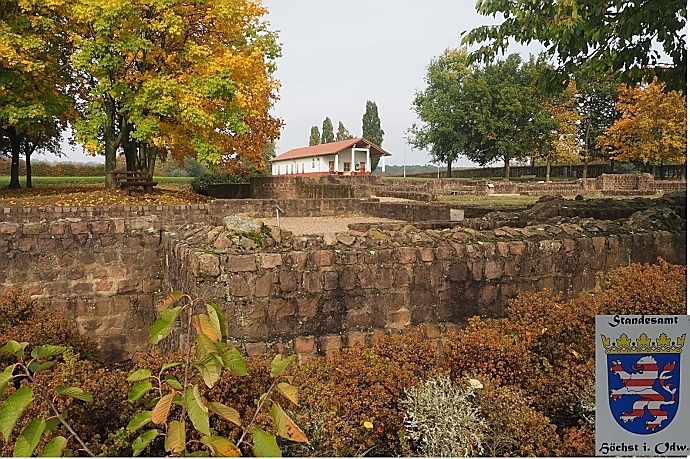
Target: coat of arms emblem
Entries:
(643, 381)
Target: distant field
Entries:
(5, 180)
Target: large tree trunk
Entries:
(28, 168)
(586, 158)
(662, 171)
(151, 162)
(506, 169)
(548, 170)
(15, 145)
(111, 141)
(450, 168)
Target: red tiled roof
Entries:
(331, 149)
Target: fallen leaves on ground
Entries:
(78, 195)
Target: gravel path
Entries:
(319, 225)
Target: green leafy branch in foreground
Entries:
(14, 406)
(176, 403)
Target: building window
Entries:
(356, 167)
(331, 166)
(346, 167)
(313, 163)
(292, 168)
(303, 168)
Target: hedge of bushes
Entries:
(531, 376)
(64, 169)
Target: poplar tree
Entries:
(371, 129)
(315, 136)
(343, 133)
(327, 135)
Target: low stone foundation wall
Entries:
(311, 294)
(106, 274)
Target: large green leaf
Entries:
(139, 421)
(52, 423)
(279, 364)
(169, 300)
(175, 438)
(139, 375)
(173, 382)
(41, 352)
(74, 392)
(163, 325)
(143, 440)
(170, 365)
(221, 447)
(222, 321)
(203, 347)
(54, 447)
(14, 348)
(38, 367)
(138, 390)
(5, 377)
(13, 408)
(210, 368)
(265, 445)
(227, 413)
(28, 440)
(285, 426)
(232, 359)
(197, 410)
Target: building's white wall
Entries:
(299, 166)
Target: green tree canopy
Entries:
(601, 35)
(343, 133)
(314, 136)
(371, 129)
(327, 135)
(504, 115)
(443, 130)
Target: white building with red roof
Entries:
(346, 157)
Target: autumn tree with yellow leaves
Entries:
(652, 128)
(168, 76)
(36, 102)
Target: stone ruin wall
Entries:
(105, 267)
(317, 294)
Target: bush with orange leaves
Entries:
(545, 345)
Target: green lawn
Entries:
(5, 180)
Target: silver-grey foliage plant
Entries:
(442, 420)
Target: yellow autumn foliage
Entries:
(652, 128)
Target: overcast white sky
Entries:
(339, 54)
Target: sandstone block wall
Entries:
(104, 274)
(314, 297)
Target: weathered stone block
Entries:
(407, 255)
(239, 263)
(330, 280)
(238, 286)
(279, 308)
(426, 254)
(400, 319)
(253, 349)
(330, 343)
(311, 282)
(289, 281)
(270, 260)
(79, 227)
(319, 258)
(305, 345)
(307, 306)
